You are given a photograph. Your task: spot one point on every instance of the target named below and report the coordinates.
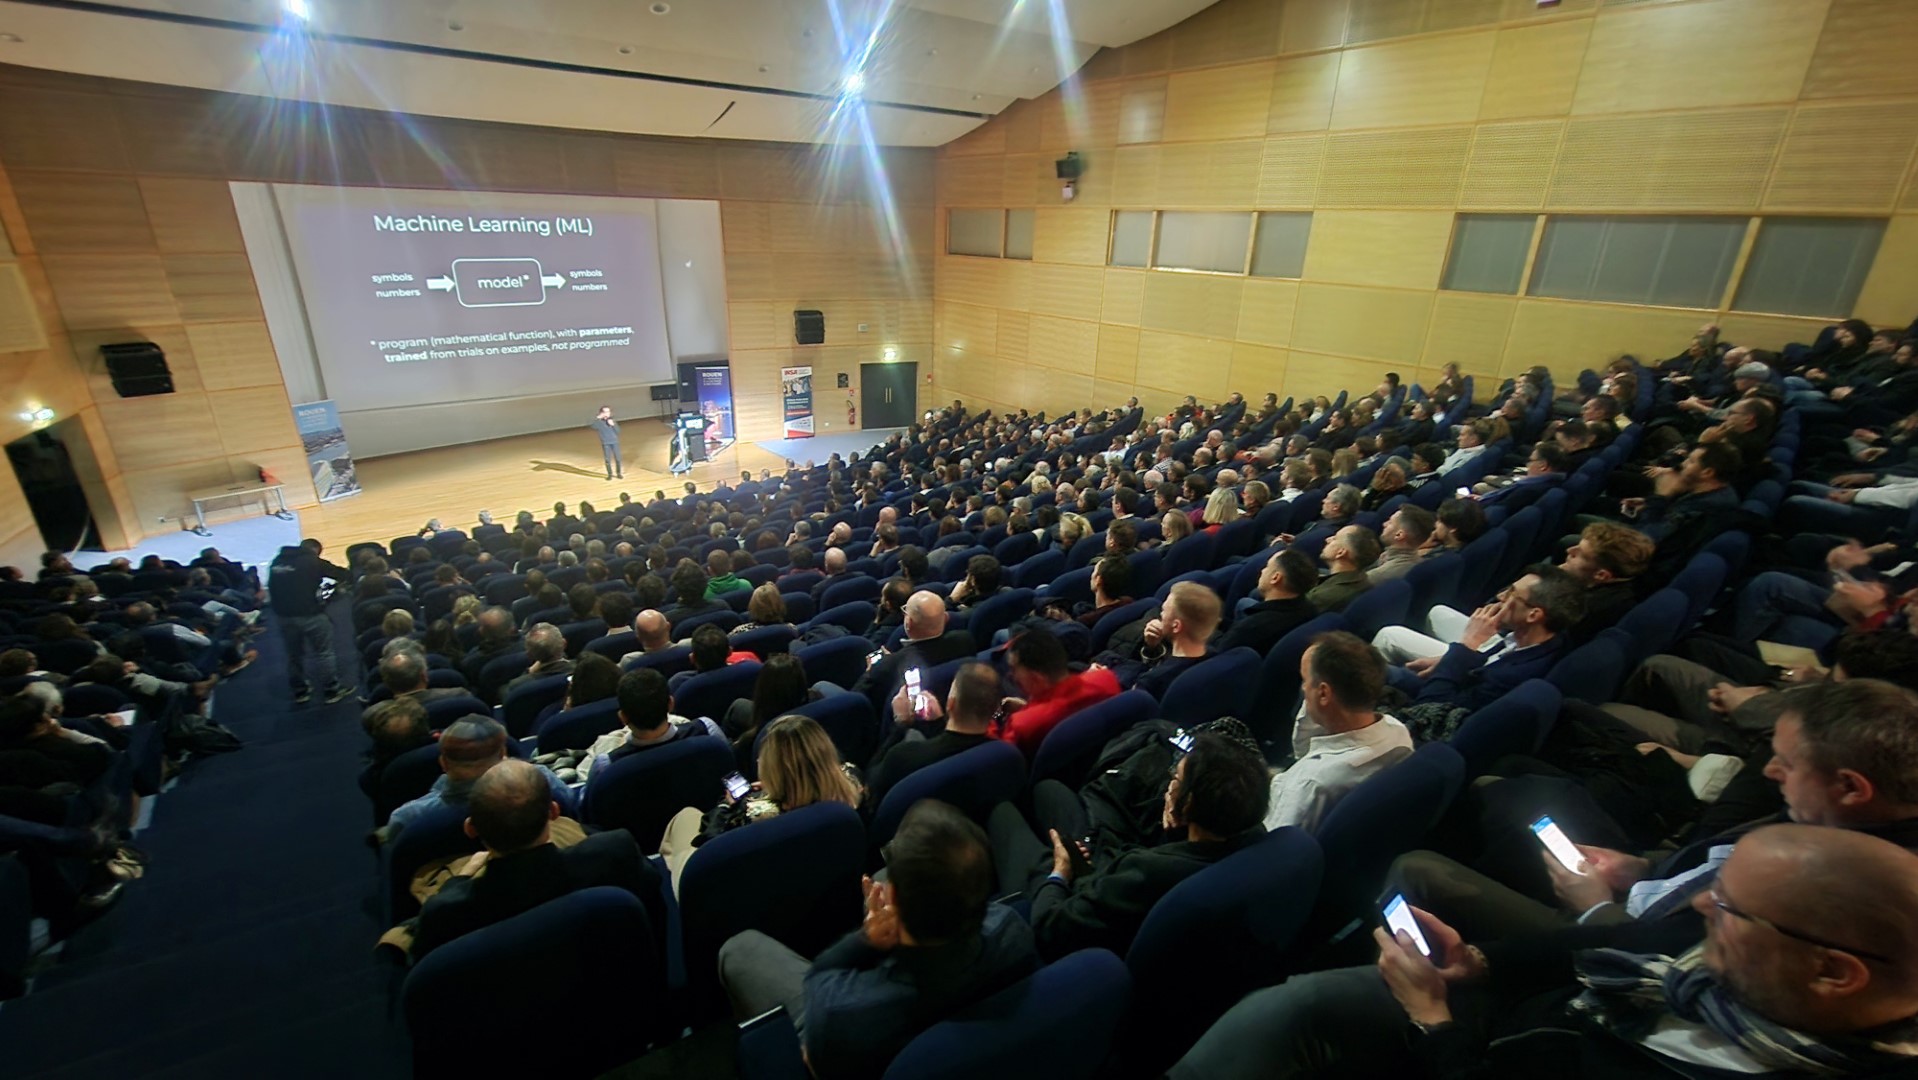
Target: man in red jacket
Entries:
(1052, 691)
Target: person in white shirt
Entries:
(1471, 442)
(1340, 739)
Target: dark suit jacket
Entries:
(1103, 908)
(1264, 623)
(1522, 492)
(885, 677)
(1464, 679)
(517, 883)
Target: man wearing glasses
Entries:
(1806, 968)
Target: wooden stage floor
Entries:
(524, 472)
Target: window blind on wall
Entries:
(1669, 261)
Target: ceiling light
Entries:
(455, 24)
(298, 9)
(764, 68)
(855, 84)
(12, 39)
(625, 50)
(660, 8)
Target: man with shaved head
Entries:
(470, 747)
(654, 633)
(1808, 966)
(928, 643)
(511, 812)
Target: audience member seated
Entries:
(890, 614)
(930, 946)
(653, 632)
(1091, 898)
(970, 705)
(1052, 690)
(765, 608)
(980, 584)
(1346, 556)
(711, 651)
(689, 594)
(511, 811)
(468, 748)
(1517, 637)
(1341, 738)
(1279, 606)
(1406, 536)
(1177, 640)
(403, 672)
(798, 766)
(1807, 935)
(395, 727)
(646, 721)
(720, 578)
(546, 649)
(781, 687)
(928, 643)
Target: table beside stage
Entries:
(237, 491)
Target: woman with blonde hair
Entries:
(1041, 483)
(1174, 525)
(466, 609)
(1345, 462)
(1221, 508)
(798, 766)
(1072, 529)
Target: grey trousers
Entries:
(760, 974)
(1479, 908)
(1342, 1022)
(610, 451)
(309, 651)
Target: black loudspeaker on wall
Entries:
(665, 392)
(138, 369)
(809, 327)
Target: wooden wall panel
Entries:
(1307, 25)
(1667, 161)
(84, 213)
(1118, 359)
(21, 330)
(191, 216)
(213, 288)
(1200, 304)
(967, 328)
(1258, 368)
(107, 291)
(1289, 173)
(1535, 70)
(1394, 168)
(1771, 39)
(253, 420)
(1302, 90)
(1373, 324)
(1142, 111)
(1069, 291)
(1893, 281)
(1076, 235)
(57, 129)
(1135, 176)
(1768, 331)
(231, 356)
(1205, 175)
(1510, 166)
(1266, 311)
(1541, 329)
(1436, 80)
(1850, 157)
(1865, 51)
(1468, 329)
(1226, 32)
(1064, 344)
(1402, 248)
(1124, 299)
(1214, 104)
(1015, 336)
(1186, 365)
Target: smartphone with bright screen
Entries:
(912, 685)
(737, 786)
(1557, 843)
(1183, 740)
(1463, 493)
(1398, 916)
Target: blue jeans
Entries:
(1808, 512)
(1797, 385)
(309, 651)
(1785, 608)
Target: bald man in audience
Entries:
(511, 812)
(468, 748)
(928, 644)
(1809, 966)
(654, 634)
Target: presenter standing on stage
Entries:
(608, 429)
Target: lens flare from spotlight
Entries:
(855, 84)
(298, 9)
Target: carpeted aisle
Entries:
(245, 951)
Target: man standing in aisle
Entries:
(608, 429)
(293, 589)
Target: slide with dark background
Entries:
(417, 297)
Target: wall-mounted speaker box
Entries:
(809, 327)
(137, 368)
(665, 392)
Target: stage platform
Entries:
(524, 472)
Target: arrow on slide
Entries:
(552, 281)
(441, 284)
